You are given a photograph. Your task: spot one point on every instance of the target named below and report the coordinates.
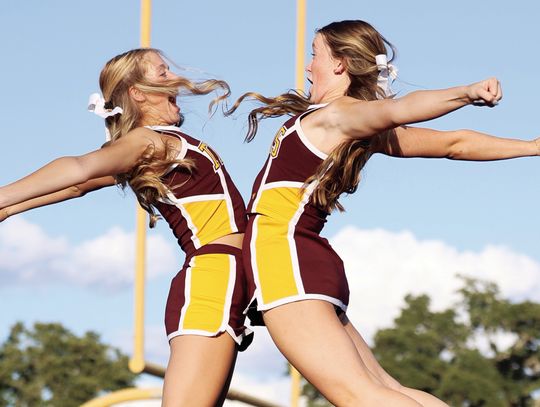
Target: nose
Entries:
(308, 67)
(172, 75)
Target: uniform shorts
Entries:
(287, 264)
(208, 296)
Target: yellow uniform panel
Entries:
(279, 202)
(211, 218)
(208, 285)
(275, 257)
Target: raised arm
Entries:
(353, 118)
(456, 145)
(116, 158)
(75, 191)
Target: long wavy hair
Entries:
(128, 70)
(357, 43)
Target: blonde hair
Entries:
(128, 70)
(357, 43)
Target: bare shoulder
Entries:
(144, 138)
(142, 135)
(337, 110)
(323, 127)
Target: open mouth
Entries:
(172, 101)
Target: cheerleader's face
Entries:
(159, 109)
(325, 73)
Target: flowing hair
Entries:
(356, 43)
(127, 71)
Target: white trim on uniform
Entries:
(253, 259)
(196, 198)
(267, 170)
(290, 237)
(237, 338)
(302, 136)
(300, 297)
(187, 295)
(317, 106)
(282, 184)
(263, 182)
(228, 200)
(194, 238)
(230, 292)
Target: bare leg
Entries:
(199, 370)
(426, 399)
(312, 338)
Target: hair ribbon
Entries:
(387, 74)
(96, 104)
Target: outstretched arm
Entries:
(353, 118)
(456, 145)
(75, 191)
(116, 158)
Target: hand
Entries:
(485, 93)
(3, 214)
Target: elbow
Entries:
(457, 145)
(76, 191)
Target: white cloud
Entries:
(275, 389)
(29, 255)
(262, 360)
(382, 267)
(26, 250)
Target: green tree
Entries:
(50, 366)
(438, 352)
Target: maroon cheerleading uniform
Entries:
(286, 258)
(208, 295)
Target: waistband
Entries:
(215, 248)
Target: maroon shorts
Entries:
(208, 296)
(286, 265)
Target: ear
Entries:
(136, 94)
(339, 66)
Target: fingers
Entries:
(487, 92)
(499, 91)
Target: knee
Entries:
(356, 395)
(393, 384)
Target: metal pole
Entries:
(136, 364)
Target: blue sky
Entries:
(54, 50)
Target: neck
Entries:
(331, 96)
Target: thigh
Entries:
(199, 370)
(367, 355)
(426, 399)
(312, 338)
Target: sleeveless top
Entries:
(279, 190)
(204, 205)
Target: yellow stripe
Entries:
(280, 202)
(210, 275)
(274, 256)
(211, 218)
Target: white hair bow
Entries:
(96, 104)
(387, 74)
